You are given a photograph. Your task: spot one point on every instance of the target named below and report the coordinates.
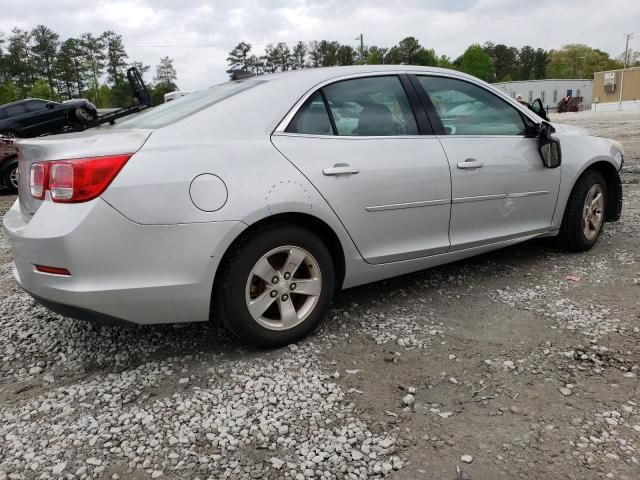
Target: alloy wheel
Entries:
(593, 212)
(283, 288)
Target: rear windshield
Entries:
(182, 107)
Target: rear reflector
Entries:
(53, 270)
(38, 177)
(76, 180)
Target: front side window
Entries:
(14, 110)
(372, 106)
(467, 109)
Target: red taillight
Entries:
(80, 179)
(53, 270)
(38, 178)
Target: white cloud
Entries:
(198, 34)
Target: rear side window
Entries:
(183, 107)
(312, 118)
(467, 109)
(13, 110)
(36, 105)
(371, 106)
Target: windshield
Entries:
(182, 107)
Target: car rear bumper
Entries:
(120, 270)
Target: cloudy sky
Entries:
(198, 34)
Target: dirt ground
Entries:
(522, 363)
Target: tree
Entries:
(18, 59)
(346, 55)
(45, 49)
(94, 58)
(238, 57)
(278, 57)
(526, 61)
(71, 69)
(376, 55)
(328, 53)
(578, 60)
(8, 92)
(141, 67)
(299, 56)
(166, 74)
(41, 89)
(476, 62)
(503, 59)
(116, 57)
(540, 60)
(445, 62)
(315, 56)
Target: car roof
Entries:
(24, 100)
(320, 74)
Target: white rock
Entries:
(466, 458)
(565, 391)
(94, 461)
(408, 399)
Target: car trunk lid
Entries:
(70, 146)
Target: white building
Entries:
(550, 91)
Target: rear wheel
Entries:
(585, 213)
(10, 178)
(276, 286)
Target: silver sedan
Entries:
(251, 202)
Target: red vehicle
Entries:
(8, 164)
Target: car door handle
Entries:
(470, 163)
(341, 169)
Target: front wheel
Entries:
(585, 213)
(276, 286)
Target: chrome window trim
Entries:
(284, 123)
(353, 137)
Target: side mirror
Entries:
(549, 147)
(50, 105)
(538, 109)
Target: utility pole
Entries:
(626, 49)
(361, 38)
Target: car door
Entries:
(500, 187)
(359, 143)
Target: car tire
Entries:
(10, 177)
(585, 213)
(259, 297)
(84, 115)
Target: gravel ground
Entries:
(523, 363)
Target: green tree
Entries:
(578, 60)
(503, 59)
(72, 70)
(540, 60)
(116, 57)
(346, 55)
(238, 57)
(299, 56)
(476, 62)
(19, 61)
(328, 53)
(42, 89)
(445, 62)
(141, 67)
(315, 55)
(166, 74)
(94, 58)
(45, 49)
(526, 62)
(8, 92)
(376, 55)
(278, 57)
